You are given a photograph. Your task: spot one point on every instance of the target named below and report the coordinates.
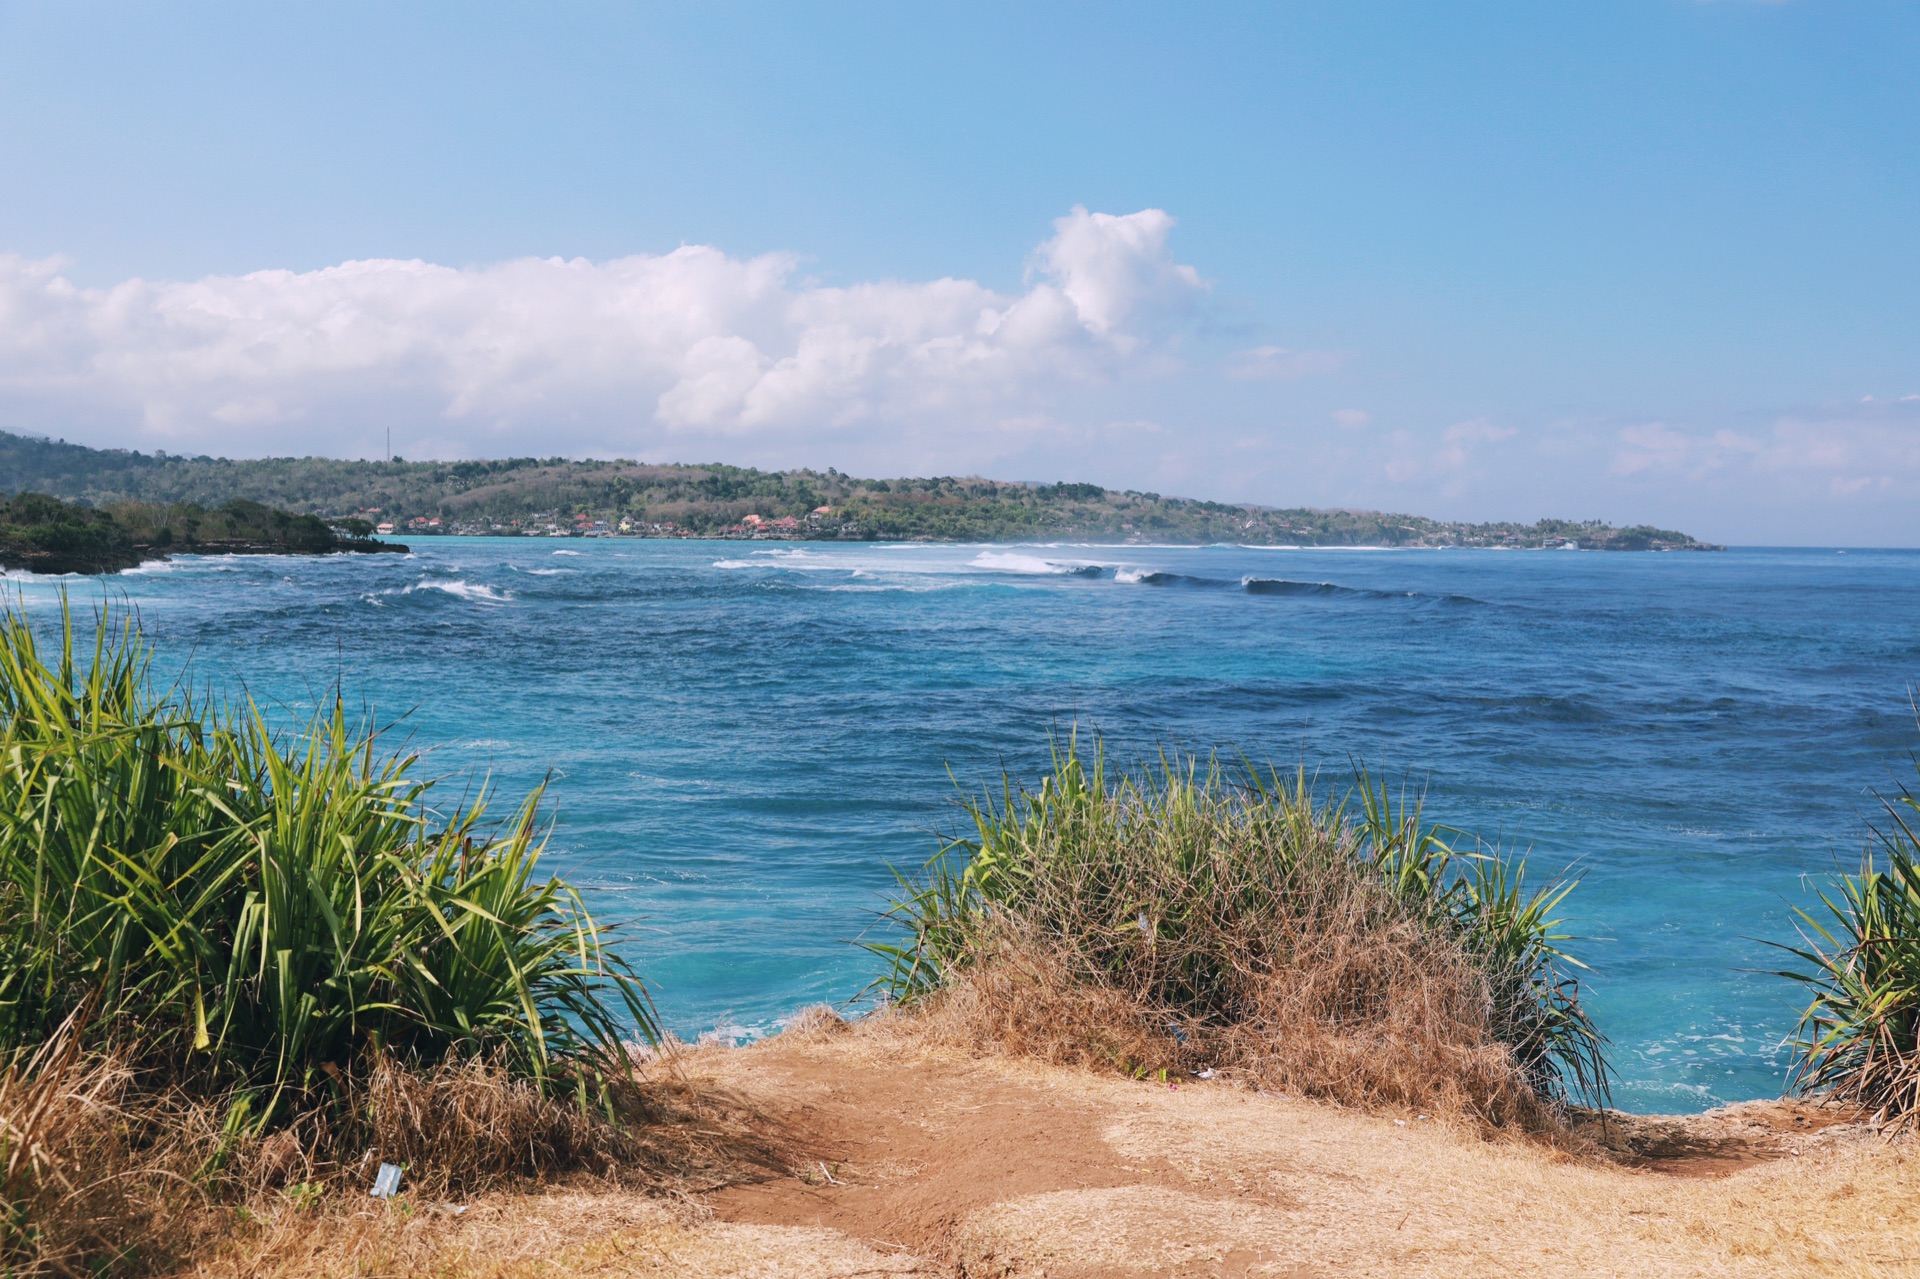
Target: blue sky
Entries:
(1643, 260)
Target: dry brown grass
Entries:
(106, 1174)
(465, 1125)
(558, 1234)
(99, 1177)
(1176, 920)
(1370, 1011)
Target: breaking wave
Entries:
(1034, 566)
(1157, 577)
(459, 588)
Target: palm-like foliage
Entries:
(1859, 1037)
(259, 910)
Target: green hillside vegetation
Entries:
(557, 495)
(47, 535)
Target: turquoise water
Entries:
(742, 736)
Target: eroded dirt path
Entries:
(905, 1156)
(865, 1153)
(952, 1166)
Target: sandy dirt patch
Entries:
(875, 1156)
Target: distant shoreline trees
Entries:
(506, 495)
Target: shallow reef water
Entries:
(742, 738)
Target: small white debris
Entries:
(1399, 1123)
(387, 1183)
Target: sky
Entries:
(1641, 260)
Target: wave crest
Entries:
(1034, 566)
(459, 588)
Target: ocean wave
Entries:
(478, 592)
(1034, 566)
(781, 557)
(569, 552)
(1333, 590)
(1285, 586)
(892, 588)
(459, 588)
(1307, 546)
(1159, 577)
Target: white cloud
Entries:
(1792, 446)
(1875, 450)
(551, 353)
(1113, 268)
(1279, 362)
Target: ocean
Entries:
(743, 739)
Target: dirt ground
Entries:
(860, 1154)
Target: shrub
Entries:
(1184, 917)
(1859, 1037)
(229, 956)
(246, 909)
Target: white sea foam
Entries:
(1248, 546)
(1032, 565)
(478, 592)
(1131, 576)
(459, 588)
(551, 572)
(569, 552)
(925, 561)
(793, 559)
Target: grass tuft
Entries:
(1184, 918)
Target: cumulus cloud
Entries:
(1114, 268)
(540, 353)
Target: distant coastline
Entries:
(559, 497)
(42, 534)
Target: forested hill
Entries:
(556, 495)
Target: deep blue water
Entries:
(742, 737)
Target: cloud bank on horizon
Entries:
(691, 349)
(1097, 368)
